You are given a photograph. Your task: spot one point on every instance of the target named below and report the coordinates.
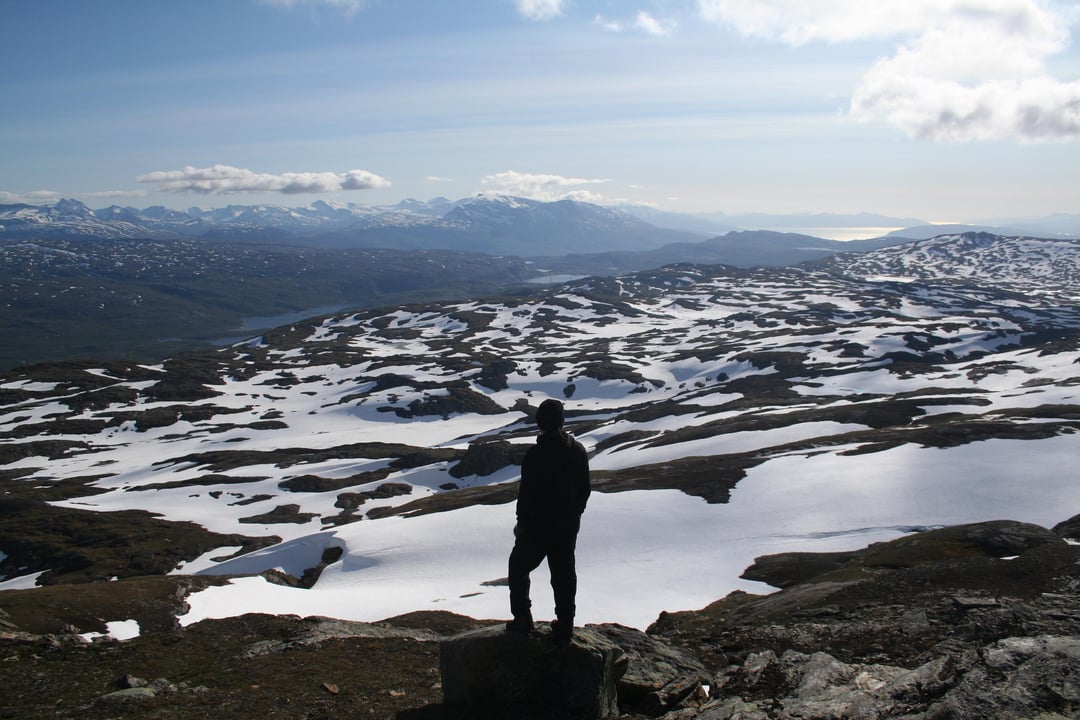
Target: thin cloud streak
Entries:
(228, 180)
(32, 197)
(643, 21)
(963, 70)
(346, 7)
(39, 197)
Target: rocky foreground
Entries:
(975, 621)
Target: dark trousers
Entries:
(529, 551)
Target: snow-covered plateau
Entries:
(728, 414)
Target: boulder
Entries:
(494, 673)
(817, 686)
(1004, 538)
(658, 677)
(1018, 677)
(488, 457)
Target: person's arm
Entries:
(525, 500)
(584, 485)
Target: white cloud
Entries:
(438, 179)
(225, 180)
(643, 21)
(609, 25)
(541, 9)
(544, 187)
(347, 7)
(961, 69)
(649, 24)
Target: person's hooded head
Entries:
(549, 416)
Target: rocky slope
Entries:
(729, 415)
(1047, 266)
(973, 621)
(967, 623)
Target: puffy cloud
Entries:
(540, 186)
(225, 180)
(961, 69)
(541, 9)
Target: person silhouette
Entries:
(552, 496)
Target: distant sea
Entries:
(838, 233)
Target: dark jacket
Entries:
(554, 484)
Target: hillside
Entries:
(968, 622)
(147, 300)
(1047, 266)
(362, 465)
(745, 249)
(686, 379)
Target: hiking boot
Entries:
(521, 626)
(562, 632)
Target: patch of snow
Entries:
(117, 630)
(22, 582)
(643, 552)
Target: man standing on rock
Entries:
(552, 496)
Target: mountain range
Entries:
(493, 224)
(496, 225)
(144, 284)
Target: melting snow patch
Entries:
(205, 561)
(22, 582)
(117, 630)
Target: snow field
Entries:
(643, 552)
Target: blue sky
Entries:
(946, 110)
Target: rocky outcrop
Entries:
(658, 677)
(1011, 679)
(607, 670)
(1070, 528)
(963, 623)
(492, 673)
(487, 458)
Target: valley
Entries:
(147, 300)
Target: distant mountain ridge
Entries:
(741, 248)
(504, 225)
(493, 224)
